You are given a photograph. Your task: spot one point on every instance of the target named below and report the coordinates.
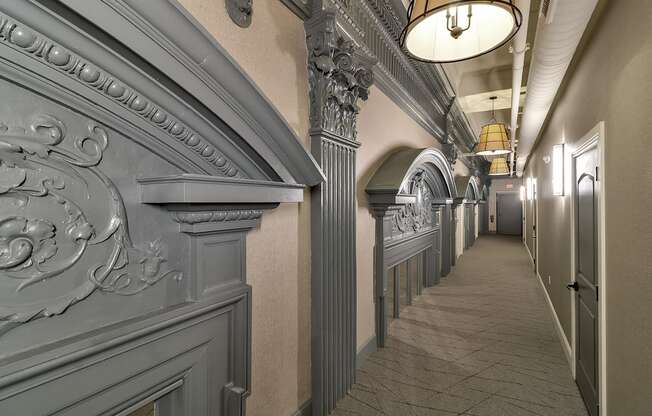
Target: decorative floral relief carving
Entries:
(450, 151)
(46, 227)
(197, 217)
(56, 56)
(337, 79)
(415, 216)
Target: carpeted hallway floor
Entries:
(480, 343)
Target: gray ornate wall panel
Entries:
(468, 188)
(339, 77)
(408, 195)
(124, 205)
(447, 242)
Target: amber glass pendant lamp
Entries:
(444, 31)
(494, 139)
(499, 167)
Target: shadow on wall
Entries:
(365, 177)
(283, 39)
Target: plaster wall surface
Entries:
(609, 81)
(272, 51)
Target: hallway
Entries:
(480, 343)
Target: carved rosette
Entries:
(338, 78)
(63, 225)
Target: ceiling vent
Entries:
(548, 10)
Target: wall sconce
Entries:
(558, 169)
(529, 191)
(522, 192)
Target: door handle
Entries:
(575, 286)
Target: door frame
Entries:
(594, 139)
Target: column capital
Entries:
(339, 76)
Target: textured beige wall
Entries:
(383, 128)
(610, 81)
(272, 52)
(500, 185)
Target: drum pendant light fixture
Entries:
(499, 167)
(493, 137)
(455, 30)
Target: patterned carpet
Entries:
(480, 343)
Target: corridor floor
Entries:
(480, 343)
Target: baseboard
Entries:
(530, 254)
(368, 347)
(361, 356)
(560, 330)
(305, 409)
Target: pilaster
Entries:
(339, 77)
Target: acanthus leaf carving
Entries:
(45, 230)
(338, 78)
(450, 151)
(198, 217)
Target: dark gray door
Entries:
(446, 240)
(453, 235)
(468, 218)
(484, 218)
(534, 223)
(586, 278)
(509, 211)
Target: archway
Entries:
(468, 188)
(410, 196)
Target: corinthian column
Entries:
(339, 78)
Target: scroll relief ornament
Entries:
(63, 226)
(414, 217)
(337, 81)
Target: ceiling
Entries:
(475, 80)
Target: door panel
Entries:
(586, 294)
(508, 213)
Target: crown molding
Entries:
(421, 90)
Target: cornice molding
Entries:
(302, 8)
(177, 52)
(29, 41)
(421, 90)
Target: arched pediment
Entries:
(166, 85)
(468, 188)
(392, 181)
(135, 154)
